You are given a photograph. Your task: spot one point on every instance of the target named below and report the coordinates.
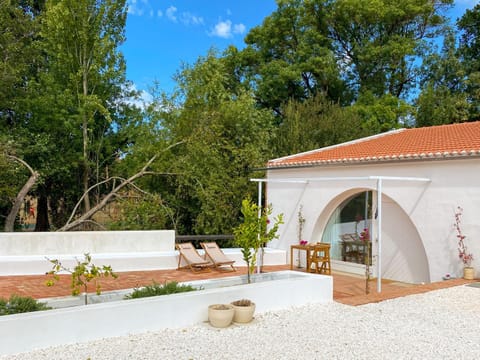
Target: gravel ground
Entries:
(442, 324)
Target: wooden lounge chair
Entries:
(191, 258)
(216, 255)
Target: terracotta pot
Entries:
(220, 315)
(468, 273)
(243, 313)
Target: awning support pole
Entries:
(260, 259)
(379, 235)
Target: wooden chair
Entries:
(191, 258)
(214, 254)
(320, 258)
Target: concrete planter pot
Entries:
(244, 310)
(468, 273)
(220, 315)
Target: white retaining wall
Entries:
(27, 253)
(28, 331)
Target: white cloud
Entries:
(134, 8)
(239, 28)
(170, 13)
(225, 29)
(188, 19)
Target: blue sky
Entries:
(162, 34)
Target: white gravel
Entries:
(442, 324)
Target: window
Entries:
(348, 229)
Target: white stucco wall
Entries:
(79, 242)
(414, 213)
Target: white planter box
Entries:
(28, 331)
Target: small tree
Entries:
(82, 274)
(253, 233)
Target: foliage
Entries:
(142, 212)
(463, 253)
(20, 304)
(443, 99)
(377, 41)
(469, 49)
(242, 302)
(313, 74)
(290, 55)
(314, 123)
(255, 231)
(83, 273)
(224, 135)
(155, 290)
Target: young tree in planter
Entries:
(253, 233)
(84, 272)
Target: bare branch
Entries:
(124, 182)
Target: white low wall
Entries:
(25, 332)
(27, 253)
(80, 242)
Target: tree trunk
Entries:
(42, 214)
(86, 167)
(12, 215)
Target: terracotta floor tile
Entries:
(347, 289)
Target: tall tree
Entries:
(290, 55)
(82, 39)
(225, 136)
(315, 123)
(469, 48)
(443, 98)
(18, 56)
(377, 42)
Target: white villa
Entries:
(404, 186)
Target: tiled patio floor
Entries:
(347, 289)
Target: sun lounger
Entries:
(191, 258)
(216, 255)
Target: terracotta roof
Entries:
(435, 142)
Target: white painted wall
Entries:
(79, 242)
(430, 208)
(27, 253)
(119, 318)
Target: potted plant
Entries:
(253, 233)
(463, 254)
(244, 310)
(220, 315)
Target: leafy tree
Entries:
(83, 273)
(315, 123)
(380, 114)
(18, 56)
(469, 48)
(290, 55)
(443, 97)
(81, 40)
(255, 231)
(377, 42)
(224, 136)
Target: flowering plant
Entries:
(462, 248)
(365, 235)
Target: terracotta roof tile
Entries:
(442, 141)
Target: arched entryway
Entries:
(343, 223)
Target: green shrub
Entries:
(20, 304)
(155, 290)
